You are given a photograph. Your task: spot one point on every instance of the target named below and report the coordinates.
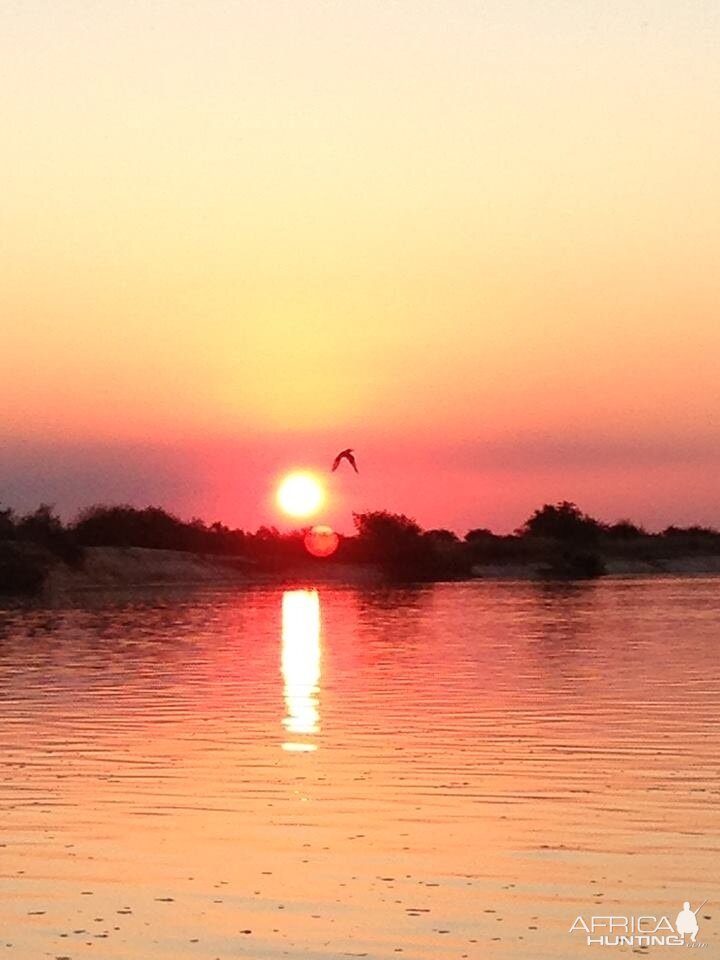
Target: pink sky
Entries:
(460, 488)
(476, 243)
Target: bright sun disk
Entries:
(300, 494)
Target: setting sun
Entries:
(300, 494)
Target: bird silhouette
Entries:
(345, 455)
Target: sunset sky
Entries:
(476, 241)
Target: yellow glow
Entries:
(300, 495)
(301, 664)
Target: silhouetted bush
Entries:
(44, 527)
(442, 537)
(623, 530)
(7, 524)
(273, 551)
(125, 526)
(479, 534)
(450, 556)
(155, 528)
(675, 541)
(563, 521)
(23, 567)
(396, 543)
(694, 531)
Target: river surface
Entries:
(450, 771)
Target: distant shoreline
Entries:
(111, 568)
(108, 567)
(614, 567)
(121, 545)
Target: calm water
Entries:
(442, 772)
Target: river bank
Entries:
(105, 567)
(26, 569)
(613, 567)
(29, 570)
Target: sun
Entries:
(300, 494)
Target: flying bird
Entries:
(345, 455)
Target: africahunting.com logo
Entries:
(646, 930)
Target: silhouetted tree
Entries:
(564, 521)
(45, 528)
(479, 533)
(126, 526)
(225, 540)
(450, 556)
(396, 542)
(386, 532)
(40, 526)
(266, 533)
(442, 537)
(23, 567)
(624, 530)
(695, 539)
(7, 524)
(484, 546)
(573, 534)
(273, 550)
(694, 531)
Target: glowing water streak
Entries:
(301, 664)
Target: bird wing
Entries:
(351, 460)
(336, 462)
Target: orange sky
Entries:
(475, 241)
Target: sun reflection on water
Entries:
(301, 666)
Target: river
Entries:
(445, 771)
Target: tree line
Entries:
(564, 538)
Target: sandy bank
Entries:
(121, 567)
(104, 568)
(138, 566)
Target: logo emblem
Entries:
(687, 921)
(645, 930)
